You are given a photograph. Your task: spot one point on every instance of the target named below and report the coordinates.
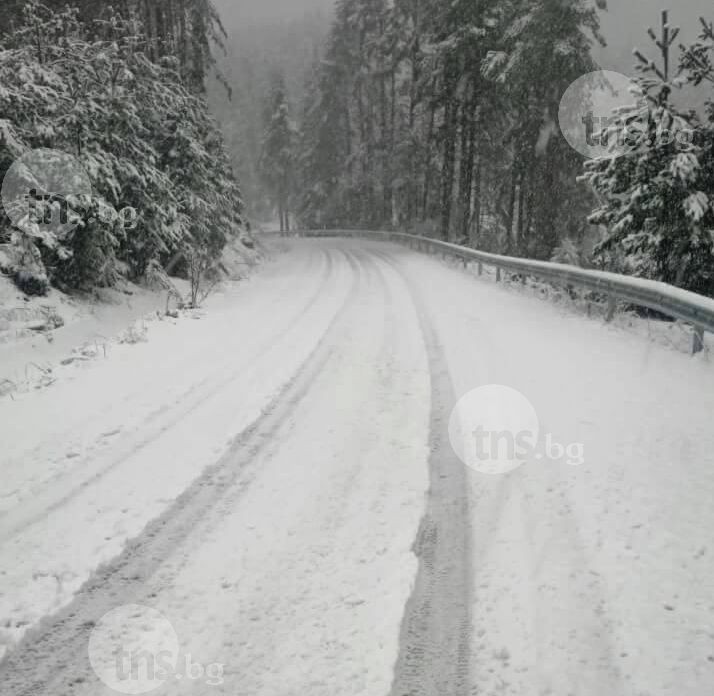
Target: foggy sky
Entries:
(625, 23)
(234, 11)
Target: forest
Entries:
(436, 118)
(120, 87)
(441, 119)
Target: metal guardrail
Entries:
(683, 305)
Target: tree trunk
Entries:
(476, 227)
(427, 155)
(511, 215)
(466, 176)
(449, 166)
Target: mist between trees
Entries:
(442, 119)
(421, 115)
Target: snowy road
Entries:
(275, 478)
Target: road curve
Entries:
(282, 489)
(288, 540)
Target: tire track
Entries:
(52, 659)
(596, 668)
(110, 407)
(435, 634)
(196, 396)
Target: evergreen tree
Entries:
(188, 30)
(656, 198)
(545, 46)
(441, 117)
(278, 151)
(141, 133)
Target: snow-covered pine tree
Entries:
(656, 198)
(327, 145)
(143, 136)
(321, 151)
(189, 30)
(277, 160)
(403, 128)
(544, 46)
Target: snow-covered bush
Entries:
(567, 252)
(21, 261)
(137, 333)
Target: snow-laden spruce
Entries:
(104, 94)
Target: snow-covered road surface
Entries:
(275, 478)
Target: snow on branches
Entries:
(100, 93)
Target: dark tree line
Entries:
(442, 118)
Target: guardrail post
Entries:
(480, 268)
(611, 307)
(698, 340)
(498, 274)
